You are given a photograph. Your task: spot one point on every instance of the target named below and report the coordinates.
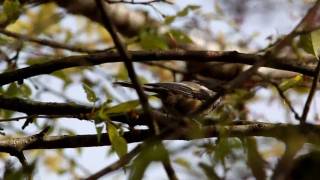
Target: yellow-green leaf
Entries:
(310, 42)
(290, 83)
(305, 43)
(152, 41)
(12, 90)
(91, 96)
(118, 143)
(11, 9)
(180, 36)
(186, 10)
(315, 36)
(122, 73)
(182, 13)
(101, 115)
(154, 152)
(123, 107)
(25, 90)
(99, 132)
(169, 19)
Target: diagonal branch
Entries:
(127, 59)
(282, 95)
(116, 165)
(313, 89)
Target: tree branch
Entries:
(311, 93)
(311, 133)
(116, 165)
(46, 42)
(145, 56)
(42, 108)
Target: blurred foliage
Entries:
(11, 11)
(191, 25)
(13, 173)
(149, 154)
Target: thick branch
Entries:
(281, 131)
(145, 56)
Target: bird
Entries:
(178, 98)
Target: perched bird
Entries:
(178, 98)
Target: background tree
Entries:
(60, 58)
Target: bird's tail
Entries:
(124, 84)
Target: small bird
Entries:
(178, 98)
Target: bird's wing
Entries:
(172, 87)
(175, 88)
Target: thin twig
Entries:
(286, 100)
(116, 165)
(283, 96)
(49, 43)
(169, 169)
(35, 116)
(311, 94)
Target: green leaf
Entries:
(290, 83)
(315, 36)
(123, 107)
(305, 43)
(225, 147)
(182, 13)
(254, 159)
(99, 132)
(91, 96)
(11, 9)
(101, 115)
(118, 143)
(25, 90)
(152, 41)
(186, 10)
(169, 19)
(310, 42)
(12, 90)
(180, 36)
(155, 152)
(122, 73)
(3, 40)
